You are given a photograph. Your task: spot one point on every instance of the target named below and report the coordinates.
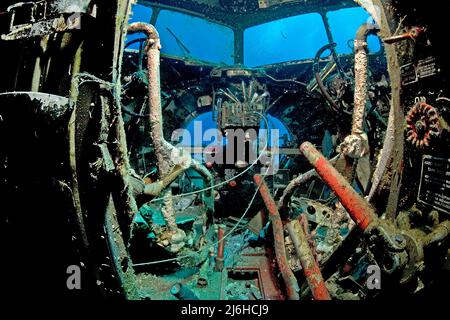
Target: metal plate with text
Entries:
(412, 73)
(434, 189)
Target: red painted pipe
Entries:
(220, 248)
(357, 207)
(278, 235)
(309, 264)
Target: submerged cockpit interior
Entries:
(226, 149)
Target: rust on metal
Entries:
(309, 264)
(412, 34)
(278, 235)
(357, 207)
(422, 125)
(220, 248)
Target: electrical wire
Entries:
(205, 247)
(284, 80)
(212, 187)
(230, 179)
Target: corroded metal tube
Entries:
(278, 235)
(163, 149)
(155, 188)
(220, 248)
(165, 152)
(153, 50)
(356, 145)
(360, 95)
(309, 264)
(297, 182)
(167, 155)
(358, 208)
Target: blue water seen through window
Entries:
(140, 14)
(187, 36)
(293, 38)
(287, 39)
(184, 35)
(344, 23)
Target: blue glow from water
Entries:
(201, 39)
(140, 14)
(287, 39)
(207, 123)
(344, 23)
(293, 38)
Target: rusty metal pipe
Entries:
(153, 49)
(163, 149)
(155, 188)
(412, 34)
(360, 95)
(356, 145)
(297, 182)
(361, 61)
(278, 235)
(358, 208)
(220, 248)
(166, 153)
(309, 264)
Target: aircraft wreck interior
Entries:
(226, 149)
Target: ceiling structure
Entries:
(241, 14)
